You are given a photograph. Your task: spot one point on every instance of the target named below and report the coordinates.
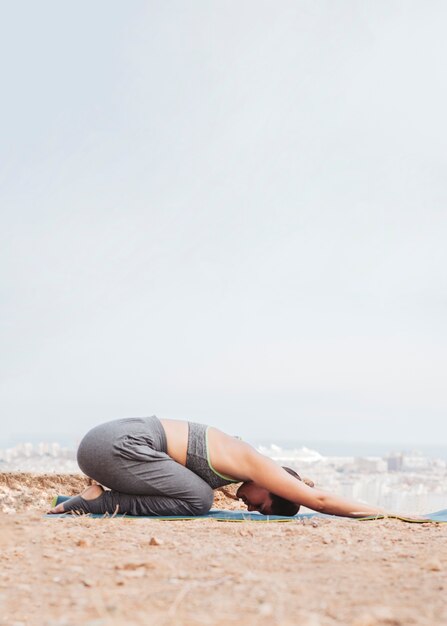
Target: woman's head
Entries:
(258, 498)
(281, 506)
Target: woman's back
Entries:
(223, 450)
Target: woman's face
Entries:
(255, 497)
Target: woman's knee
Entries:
(202, 501)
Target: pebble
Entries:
(134, 566)
(155, 542)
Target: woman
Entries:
(170, 467)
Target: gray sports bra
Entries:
(198, 460)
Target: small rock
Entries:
(433, 565)
(155, 542)
(87, 583)
(130, 567)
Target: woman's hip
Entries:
(110, 448)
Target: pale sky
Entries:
(229, 212)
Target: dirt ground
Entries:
(75, 571)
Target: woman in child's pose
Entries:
(170, 467)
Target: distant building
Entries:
(394, 462)
(415, 462)
(370, 464)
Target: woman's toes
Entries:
(75, 503)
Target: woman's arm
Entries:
(266, 473)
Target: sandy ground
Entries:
(102, 572)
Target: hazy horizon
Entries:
(233, 213)
(324, 447)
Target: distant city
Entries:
(403, 482)
(38, 458)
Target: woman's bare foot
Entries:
(92, 492)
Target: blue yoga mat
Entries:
(240, 516)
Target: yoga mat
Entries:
(241, 516)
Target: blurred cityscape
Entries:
(38, 458)
(404, 482)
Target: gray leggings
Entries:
(129, 457)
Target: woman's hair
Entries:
(281, 506)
